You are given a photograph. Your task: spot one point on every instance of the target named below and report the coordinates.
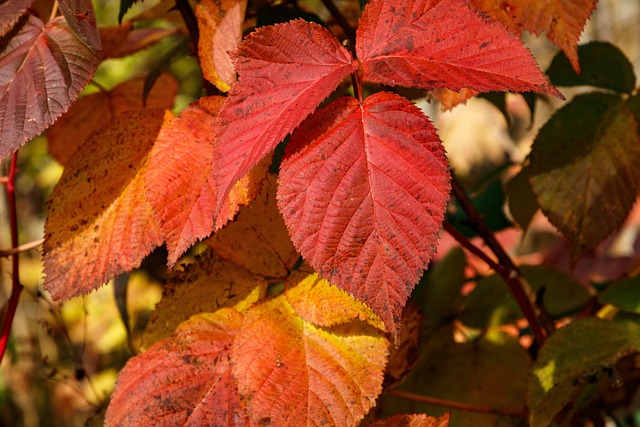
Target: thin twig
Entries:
(457, 405)
(520, 289)
(22, 248)
(341, 20)
(16, 286)
(466, 243)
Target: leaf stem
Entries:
(518, 286)
(16, 287)
(22, 248)
(341, 20)
(466, 243)
(457, 405)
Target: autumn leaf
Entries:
(92, 112)
(562, 20)
(179, 181)
(269, 251)
(416, 44)
(413, 420)
(43, 69)
(332, 375)
(184, 380)
(99, 222)
(124, 40)
(285, 71)
(220, 24)
(81, 18)
(364, 199)
(10, 11)
(205, 286)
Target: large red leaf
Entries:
(365, 199)
(417, 44)
(81, 17)
(184, 380)
(285, 71)
(42, 71)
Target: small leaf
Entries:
(91, 113)
(285, 70)
(584, 168)
(332, 375)
(270, 252)
(124, 40)
(624, 294)
(220, 25)
(185, 380)
(602, 65)
(205, 286)
(562, 20)
(125, 5)
(523, 203)
(81, 18)
(570, 356)
(42, 71)
(413, 420)
(364, 200)
(446, 44)
(99, 222)
(10, 12)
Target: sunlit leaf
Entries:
(124, 40)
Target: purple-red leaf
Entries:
(417, 43)
(365, 199)
(42, 71)
(81, 18)
(10, 11)
(285, 71)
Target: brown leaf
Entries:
(123, 40)
(413, 420)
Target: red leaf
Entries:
(285, 71)
(183, 380)
(10, 11)
(42, 71)
(409, 43)
(81, 18)
(364, 201)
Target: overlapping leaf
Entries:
(92, 112)
(413, 420)
(42, 70)
(184, 380)
(220, 24)
(99, 222)
(365, 199)
(81, 18)
(10, 11)
(562, 20)
(124, 40)
(421, 43)
(179, 180)
(285, 71)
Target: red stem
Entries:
(16, 287)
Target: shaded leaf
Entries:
(271, 14)
(332, 375)
(185, 380)
(205, 286)
(42, 71)
(523, 203)
(584, 168)
(92, 112)
(570, 357)
(81, 18)
(413, 420)
(124, 40)
(602, 65)
(179, 179)
(285, 71)
(220, 25)
(99, 223)
(562, 20)
(10, 12)
(270, 251)
(421, 43)
(624, 294)
(364, 200)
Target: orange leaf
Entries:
(207, 285)
(269, 252)
(450, 98)
(220, 24)
(185, 380)
(562, 20)
(413, 420)
(123, 40)
(295, 373)
(99, 222)
(179, 180)
(92, 112)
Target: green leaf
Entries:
(603, 65)
(571, 359)
(584, 168)
(125, 5)
(624, 294)
(523, 203)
